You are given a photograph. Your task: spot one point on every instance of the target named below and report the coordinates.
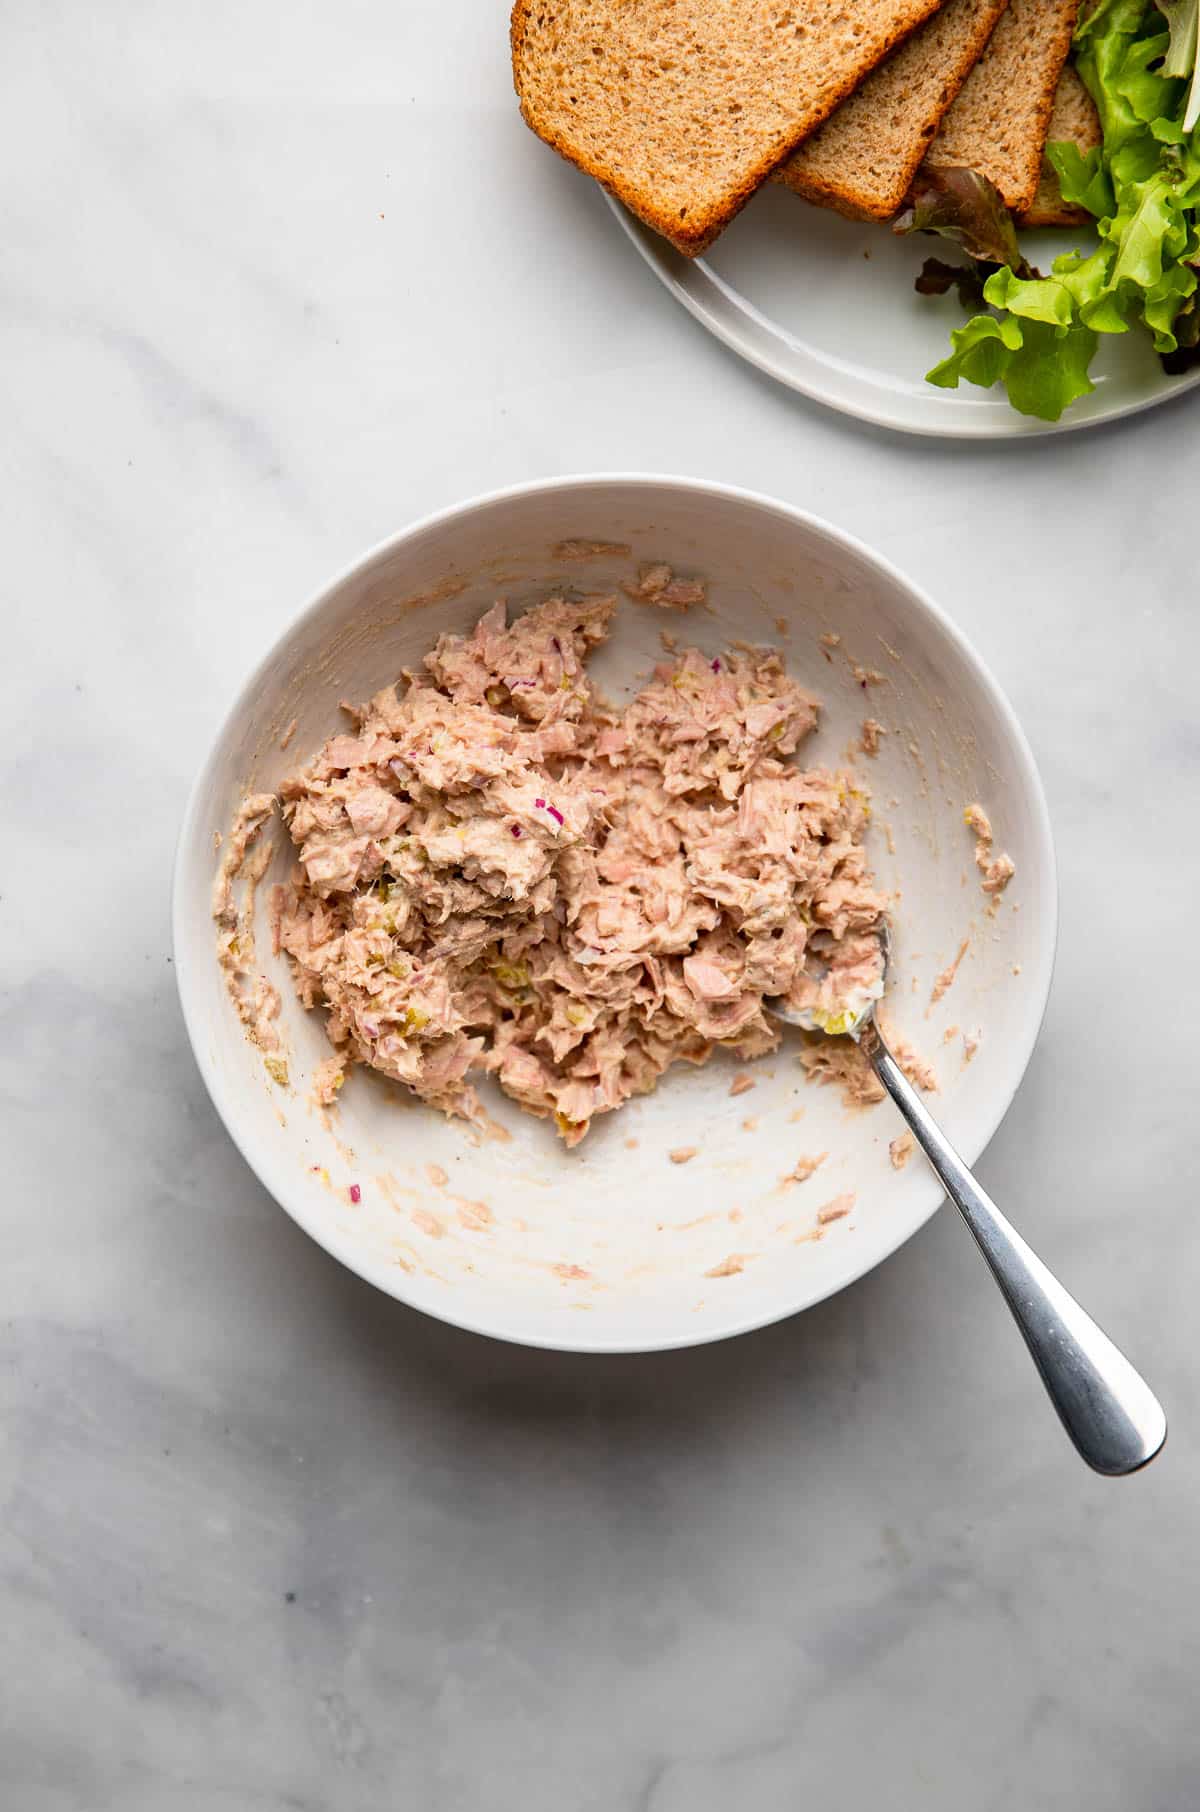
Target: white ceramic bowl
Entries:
(612, 1247)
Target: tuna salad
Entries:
(498, 872)
(997, 871)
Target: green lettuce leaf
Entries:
(1050, 371)
(1084, 181)
(1042, 299)
(1142, 186)
(1044, 368)
(1181, 17)
(982, 353)
(1183, 23)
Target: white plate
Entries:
(828, 307)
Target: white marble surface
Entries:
(275, 280)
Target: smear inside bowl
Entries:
(619, 1244)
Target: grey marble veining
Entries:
(272, 282)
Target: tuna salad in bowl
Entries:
(486, 891)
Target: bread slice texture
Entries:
(998, 123)
(863, 159)
(1073, 120)
(681, 108)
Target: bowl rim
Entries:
(224, 1098)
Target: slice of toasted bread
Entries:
(998, 123)
(683, 107)
(1073, 120)
(863, 159)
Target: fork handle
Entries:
(1109, 1411)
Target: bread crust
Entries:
(846, 164)
(709, 217)
(965, 137)
(1073, 119)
